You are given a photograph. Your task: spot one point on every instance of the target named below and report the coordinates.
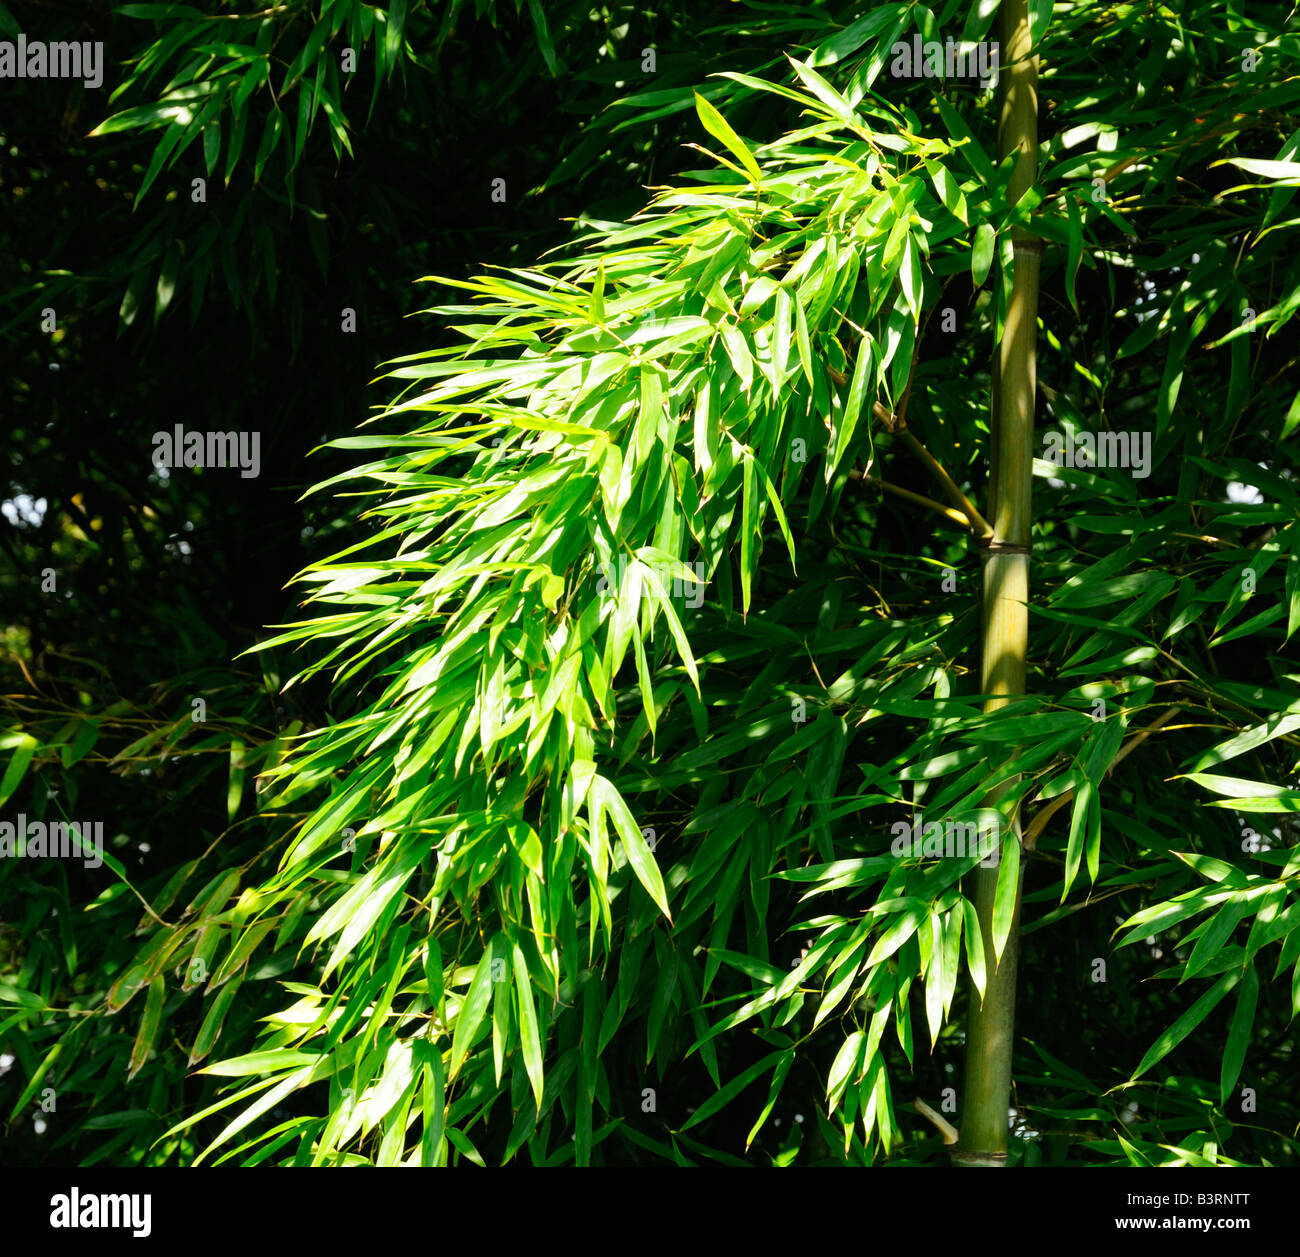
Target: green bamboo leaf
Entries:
(1085, 831)
(211, 145)
(842, 1066)
(1040, 18)
(270, 137)
(1172, 380)
(1238, 786)
(353, 914)
(1288, 171)
(393, 32)
(398, 1078)
(434, 1102)
(728, 1093)
(781, 522)
(465, 1146)
(778, 1081)
(846, 42)
(544, 41)
(1288, 802)
(981, 255)
(1217, 933)
(1243, 1018)
(1289, 425)
(140, 117)
(716, 125)
(946, 188)
(281, 1089)
(1291, 581)
(638, 853)
(1162, 916)
(665, 997)
(472, 1011)
(733, 341)
(531, 1039)
(85, 737)
(1007, 893)
(304, 124)
(235, 789)
(37, 1076)
(1275, 727)
(974, 945)
(805, 345)
(749, 533)
(1012, 729)
(651, 412)
(675, 629)
(912, 284)
(1188, 1022)
(596, 311)
(934, 975)
(150, 1024)
(171, 137)
(968, 146)
(25, 747)
(864, 377)
(847, 964)
(780, 339)
(824, 92)
(902, 928)
(10, 994)
(210, 1030)
(1075, 249)
(760, 971)
(261, 1063)
(1212, 870)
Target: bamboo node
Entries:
(1002, 547)
(959, 1158)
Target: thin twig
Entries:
(896, 423)
(918, 498)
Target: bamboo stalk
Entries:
(987, 1086)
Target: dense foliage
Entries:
(576, 829)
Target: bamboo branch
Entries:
(944, 1127)
(896, 424)
(1045, 814)
(892, 422)
(977, 521)
(918, 498)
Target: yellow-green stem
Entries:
(986, 1092)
